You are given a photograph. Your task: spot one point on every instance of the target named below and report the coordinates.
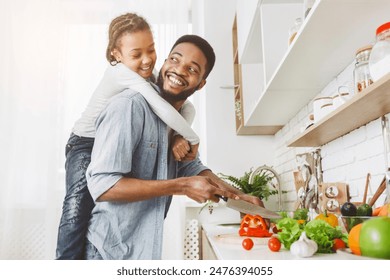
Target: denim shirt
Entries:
(131, 141)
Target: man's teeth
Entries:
(145, 68)
(175, 81)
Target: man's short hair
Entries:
(203, 45)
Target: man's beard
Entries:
(170, 96)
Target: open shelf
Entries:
(364, 107)
(241, 127)
(324, 46)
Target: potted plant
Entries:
(260, 185)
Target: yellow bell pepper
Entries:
(329, 218)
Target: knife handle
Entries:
(222, 197)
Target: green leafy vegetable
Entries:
(301, 214)
(290, 231)
(324, 234)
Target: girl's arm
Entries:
(181, 149)
(129, 79)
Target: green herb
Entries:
(259, 187)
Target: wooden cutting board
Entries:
(234, 238)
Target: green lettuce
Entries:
(290, 231)
(324, 234)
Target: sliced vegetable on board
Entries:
(254, 226)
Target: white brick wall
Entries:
(346, 159)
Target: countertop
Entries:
(226, 244)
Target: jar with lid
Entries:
(379, 62)
(294, 30)
(362, 77)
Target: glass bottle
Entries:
(380, 55)
(362, 77)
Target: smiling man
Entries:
(132, 176)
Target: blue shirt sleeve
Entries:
(191, 168)
(117, 132)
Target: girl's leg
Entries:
(78, 202)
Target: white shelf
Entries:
(252, 52)
(372, 103)
(324, 46)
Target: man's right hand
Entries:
(202, 189)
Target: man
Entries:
(132, 177)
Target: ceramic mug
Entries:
(319, 110)
(340, 97)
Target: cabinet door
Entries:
(207, 250)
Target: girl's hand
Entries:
(182, 150)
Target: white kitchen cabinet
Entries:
(289, 77)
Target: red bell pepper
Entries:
(254, 226)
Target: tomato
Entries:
(274, 244)
(374, 238)
(338, 244)
(247, 243)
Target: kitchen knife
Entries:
(250, 208)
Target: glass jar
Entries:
(361, 74)
(294, 30)
(380, 55)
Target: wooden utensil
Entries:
(300, 188)
(378, 192)
(368, 178)
(298, 180)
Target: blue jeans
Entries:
(78, 203)
(91, 253)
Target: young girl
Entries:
(132, 57)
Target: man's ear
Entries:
(201, 85)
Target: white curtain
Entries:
(52, 55)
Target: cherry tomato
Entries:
(274, 244)
(338, 244)
(247, 243)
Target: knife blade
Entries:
(250, 208)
